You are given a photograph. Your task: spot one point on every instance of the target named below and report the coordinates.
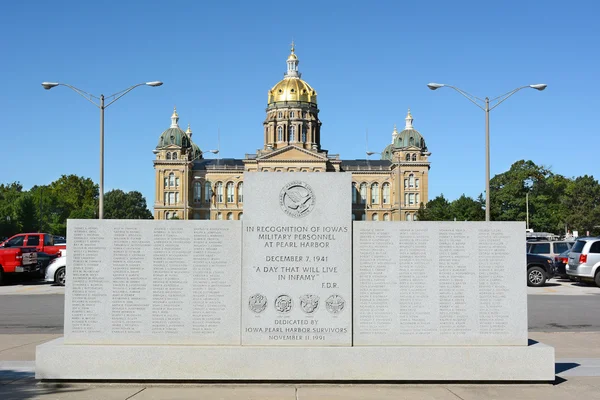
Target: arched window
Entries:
(408, 157)
(171, 179)
(375, 193)
(292, 115)
(411, 181)
(241, 216)
(174, 156)
(168, 156)
(414, 157)
(303, 134)
(279, 114)
(411, 141)
(174, 214)
(375, 217)
(409, 217)
(386, 193)
(229, 216)
(197, 193)
(386, 217)
(219, 216)
(363, 193)
(219, 192)
(230, 194)
(241, 192)
(415, 218)
(207, 192)
(280, 133)
(292, 133)
(167, 215)
(354, 194)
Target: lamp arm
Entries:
(83, 94)
(506, 96)
(122, 93)
(469, 96)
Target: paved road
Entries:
(44, 313)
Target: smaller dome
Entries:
(173, 136)
(292, 57)
(196, 152)
(409, 138)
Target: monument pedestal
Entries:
(58, 361)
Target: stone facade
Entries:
(189, 186)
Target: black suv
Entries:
(539, 269)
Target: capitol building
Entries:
(189, 186)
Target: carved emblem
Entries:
(335, 304)
(297, 199)
(309, 303)
(257, 303)
(283, 303)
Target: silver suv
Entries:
(584, 260)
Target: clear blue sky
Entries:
(368, 61)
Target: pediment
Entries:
(292, 153)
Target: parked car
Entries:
(560, 264)
(584, 260)
(549, 248)
(43, 243)
(539, 269)
(57, 270)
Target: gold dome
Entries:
(292, 89)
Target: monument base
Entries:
(58, 361)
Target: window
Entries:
(170, 197)
(207, 192)
(375, 193)
(168, 156)
(174, 156)
(197, 192)
(414, 157)
(304, 134)
(196, 215)
(411, 141)
(578, 246)
(386, 217)
(363, 217)
(418, 198)
(292, 115)
(386, 193)
(354, 193)
(405, 183)
(174, 214)
(353, 217)
(33, 240)
(176, 197)
(411, 199)
(408, 217)
(405, 198)
(595, 247)
(167, 215)
(292, 133)
(166, 182)
(540, 248)
(560, 247)
(49, 240)
(171, 179)
(408, 157)
(219, 216)
(280, 134)
(415, 218)
(176, 181)
(417, 182)
(279, 114)
(375, 217)
(240, 192)
(219, 192)
(411, 180)
(230, 194)
(241, 216)
(229, 216)
(363, 193)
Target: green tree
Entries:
(9, 222)
(583, 202)
(466, 209)
(71, 196)
(437, 209)
(26, 213)
(121, 205)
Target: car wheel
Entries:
(59, 276)
(536, 276)
(597, 278)
(1, 275)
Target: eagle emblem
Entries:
(297, 199)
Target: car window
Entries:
(16, 241)
(560, 247)
(48, 240)
(595, 248)
(540, 248)
(578, 246)
(33, 240)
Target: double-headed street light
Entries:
(496, 102)
(101, 106)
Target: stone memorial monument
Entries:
(296, 292)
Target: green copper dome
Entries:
(173, 136)
(409, 137)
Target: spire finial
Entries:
(394, 134)
(189, 130)
(293, 46)
(174, 118)
(409, 120)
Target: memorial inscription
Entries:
(153, 282)
(296, 270)
(454, 283)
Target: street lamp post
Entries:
(476, 100)
(101, 106)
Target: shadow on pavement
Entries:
(562, 367)
(24, 386)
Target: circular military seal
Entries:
(335, 304)
(309, 303)
(257, 303)
(283, 303)
(297, 199)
